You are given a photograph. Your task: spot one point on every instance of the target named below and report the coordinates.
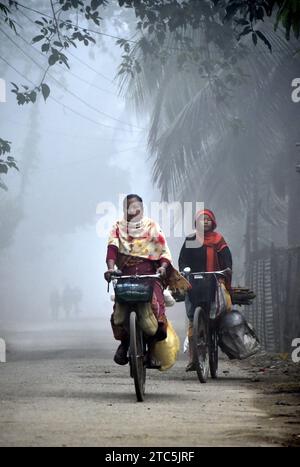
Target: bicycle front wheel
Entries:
(213, 350)
(138, 368)
(200, 344)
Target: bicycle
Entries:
(131, 290)
(205, 332)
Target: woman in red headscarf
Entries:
(204, 250)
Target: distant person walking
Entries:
(67, 301)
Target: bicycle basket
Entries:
(133, 291)
(203, 290)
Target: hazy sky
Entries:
(71, 164)
(83, 147)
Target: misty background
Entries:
(68, 164)
(73, 155)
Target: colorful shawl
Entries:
(143, 239)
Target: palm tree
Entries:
(214, 146)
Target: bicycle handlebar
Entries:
(136, 276)
(223, 272)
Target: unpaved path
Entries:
(81, 398)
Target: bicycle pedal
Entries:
(151, 366)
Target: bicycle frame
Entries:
(205, 341)
(137, 341)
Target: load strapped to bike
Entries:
(237, 338)
(214, 322)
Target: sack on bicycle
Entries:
(166, 351)
(146, 318)
(237, 338)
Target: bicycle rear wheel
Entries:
(213, 350)
(136, 354)
(200, 344)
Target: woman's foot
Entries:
(121, 357)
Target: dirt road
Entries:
(70, 397)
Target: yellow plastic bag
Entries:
(228, 299)
(166, 351)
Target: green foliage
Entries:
(197, 33)
(157, 18)
(6, 162)
(56, 36)
(30, 95)
(4, 147)
(289, 16)
(7, 18)
(286, 12)
(217, 130)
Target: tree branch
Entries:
(55, 20)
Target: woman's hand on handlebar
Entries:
(162, 271)
(112, 272)
(108, 274)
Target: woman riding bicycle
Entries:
(138, 246)
(205, 251)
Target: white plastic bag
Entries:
(222, 301)
(186, 345)
(169, 299)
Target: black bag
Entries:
(203, 290)
(237, 338)
(133, 291)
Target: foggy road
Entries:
(77, 397)
(138, 134)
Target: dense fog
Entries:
(88, 145)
